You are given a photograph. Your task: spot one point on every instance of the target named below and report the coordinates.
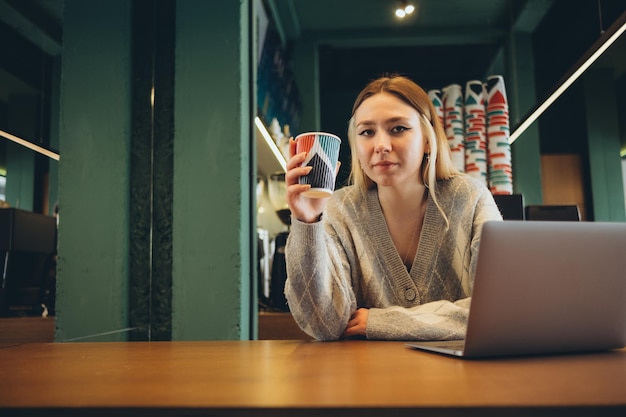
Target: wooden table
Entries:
(288, 378)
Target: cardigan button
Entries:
(409, 294)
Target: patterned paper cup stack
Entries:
(322, 154)
(500, 172)
(475, 131)
(453, 117)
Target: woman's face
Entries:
(389, 140)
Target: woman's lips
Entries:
(384, 164)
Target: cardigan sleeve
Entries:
(318, 288)
(437, 320)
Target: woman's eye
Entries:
(366, 132)
(399, 129)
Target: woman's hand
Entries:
(357, 325)
(305, 209)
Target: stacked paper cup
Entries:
(475, 131)
(435, 98)
(453, 117)
(500, 175)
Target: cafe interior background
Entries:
(155, 127)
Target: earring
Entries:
(425, 169)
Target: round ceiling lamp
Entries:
(404, 9)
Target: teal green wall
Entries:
(525, 152)
(213, 166)
(213, 171)
(306, 71)
(93, 171)
(603, 135)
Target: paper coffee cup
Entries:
(322, 154)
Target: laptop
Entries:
(545, 287)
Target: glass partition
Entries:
(30, 57)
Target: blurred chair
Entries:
(511, 206)
(27, 243)
(553, 212)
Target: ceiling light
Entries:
(30, 145)
(404, 9)
(270, 143)
(566, 84)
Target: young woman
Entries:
(393, 255)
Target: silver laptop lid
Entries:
(548, 287)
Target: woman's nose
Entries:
(383, 143)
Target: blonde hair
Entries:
(438, 164)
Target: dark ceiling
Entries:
(371, 23)
(454, 33)
(443, 41)
(34, 28)
(450, 39)
(39, 21)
